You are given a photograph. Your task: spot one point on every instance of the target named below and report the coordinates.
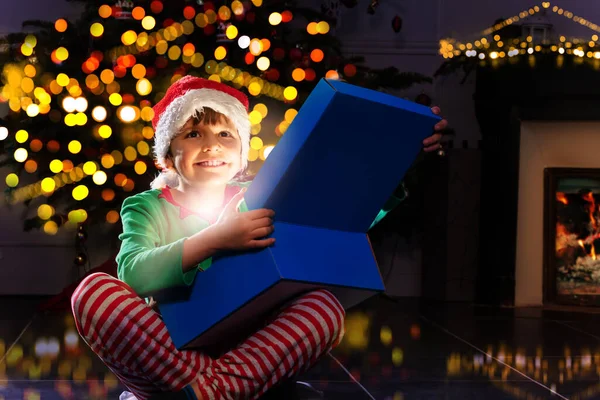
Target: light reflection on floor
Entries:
(396, 350)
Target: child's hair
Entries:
(206, 116)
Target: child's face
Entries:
(206, 153)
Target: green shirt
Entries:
(154, 229)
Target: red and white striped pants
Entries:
(134, 343)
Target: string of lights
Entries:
(494, 47)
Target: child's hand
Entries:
(432, 143)
(242, 231)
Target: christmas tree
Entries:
(78, 138)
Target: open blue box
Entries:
(327, 179)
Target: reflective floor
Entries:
(394, 349)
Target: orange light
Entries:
(138, 13)
(60, 25)
(189, 12)
(317, 55)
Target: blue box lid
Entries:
(341, 158)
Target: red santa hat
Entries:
(186, 98)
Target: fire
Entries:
(592, 208)
(592, 252)
(560, 196)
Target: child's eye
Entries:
(225, 134)
(192, 134)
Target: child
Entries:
(170, 233)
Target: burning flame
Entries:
(560, 196)
(590, 198)
(592, 252)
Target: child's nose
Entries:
(210, 144)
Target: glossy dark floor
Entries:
(395, 349)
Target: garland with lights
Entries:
(508, 42)
(78, 137)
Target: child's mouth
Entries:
(211, 163)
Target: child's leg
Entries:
(131, 339)
(304, 331)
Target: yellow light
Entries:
(99, 113)
(148, 23)
(50, 228)
(80, 119)
(148, 132)
(220, 52)
(80, 192)
(99, 178)
(74, 146)
(311, 28)
(143, 87)
(263, 63)
(397, 356)
(33, 110)
(21, 136)
(115, 99)
(231, 32)
(275, 18)
(130, 153)
(105, 131)
(21, 154)
(255, 117)
(48, 185)
(255, 129)
(143, 148)
(290, 115)
(56, 166)
(45, 211)
(257, 3)
(254, 88)
(129, 37)
(385, 335)
(12, 180)
(89, 168)
(493, 55)
(174, 52)
(127, 114)
(323, 27)
(595, 38)
(62, 54)
(256, 47)
(140, 167)
(147, 114)
(27, 85)
(252, 155)
(256, 143)
(96, 30)
(290, 93)
(77, 216)
(26, 50)
(62, 79)
(262, 109)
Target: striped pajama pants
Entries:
(132, 340)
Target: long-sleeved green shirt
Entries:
(154, 229)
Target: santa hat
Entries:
(186, 98)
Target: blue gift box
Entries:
(327, 179)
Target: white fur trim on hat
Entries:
(186, 106)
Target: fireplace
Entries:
(572, 236)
